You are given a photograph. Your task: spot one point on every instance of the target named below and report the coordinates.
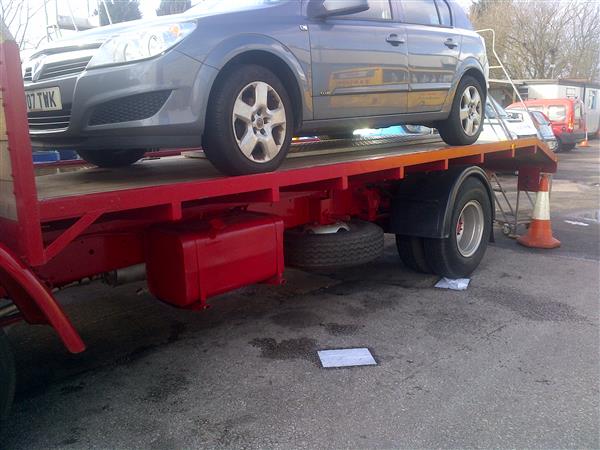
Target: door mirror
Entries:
(321, 9)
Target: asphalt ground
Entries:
(513, 362)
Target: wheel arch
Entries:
(422, 205)
(469, 67)
(478, 75)
(269, 53)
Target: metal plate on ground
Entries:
(351, 357)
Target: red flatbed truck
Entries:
(197, 234)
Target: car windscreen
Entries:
(223, 6)
(540, 118)
(490, 111)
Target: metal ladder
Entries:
(500, 65)
(511, 216)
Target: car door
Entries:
(359, 64)
(433, 52)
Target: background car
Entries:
(566, 116)
(542, 123)
(496, 119)
(241, 78)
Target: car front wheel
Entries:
(465, 123)
(249, 125)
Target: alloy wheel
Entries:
(259, 122)
(471, 111)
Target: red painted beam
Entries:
(29, 294)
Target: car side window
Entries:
(421, 12)
(593, 101)
(378, 10)
(445, 14)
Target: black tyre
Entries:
(465, 123)
(361, 244)
(461, 253)
(412, 253)
(111, 158)
(249, 124)
(7, 377)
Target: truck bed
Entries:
(178, 179)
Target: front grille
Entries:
(27, 75)
(64, 68)
(135, 107)
(52, 120)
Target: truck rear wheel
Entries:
(358, 243)
(7, 377)
(111, 158)
(412, 253)
(461, 253)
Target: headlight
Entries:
(141, 44)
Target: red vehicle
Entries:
(195, 234)
(566, 115)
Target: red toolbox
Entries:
(189, 262)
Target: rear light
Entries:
(571, 124)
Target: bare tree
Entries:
(168, 7)
(544, 39)
(119, 11)
(17, 15)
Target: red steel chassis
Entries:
(48, 242)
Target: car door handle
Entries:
(450, 43)
(394, 40)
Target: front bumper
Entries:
(552, 144)
(155, 103)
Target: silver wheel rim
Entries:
(259, 122)
(334, 228)
(471, 111)
(469, 229)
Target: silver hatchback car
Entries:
(240, 78)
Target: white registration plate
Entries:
(47, 99)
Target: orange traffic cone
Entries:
(540, 230)
(585, 143)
